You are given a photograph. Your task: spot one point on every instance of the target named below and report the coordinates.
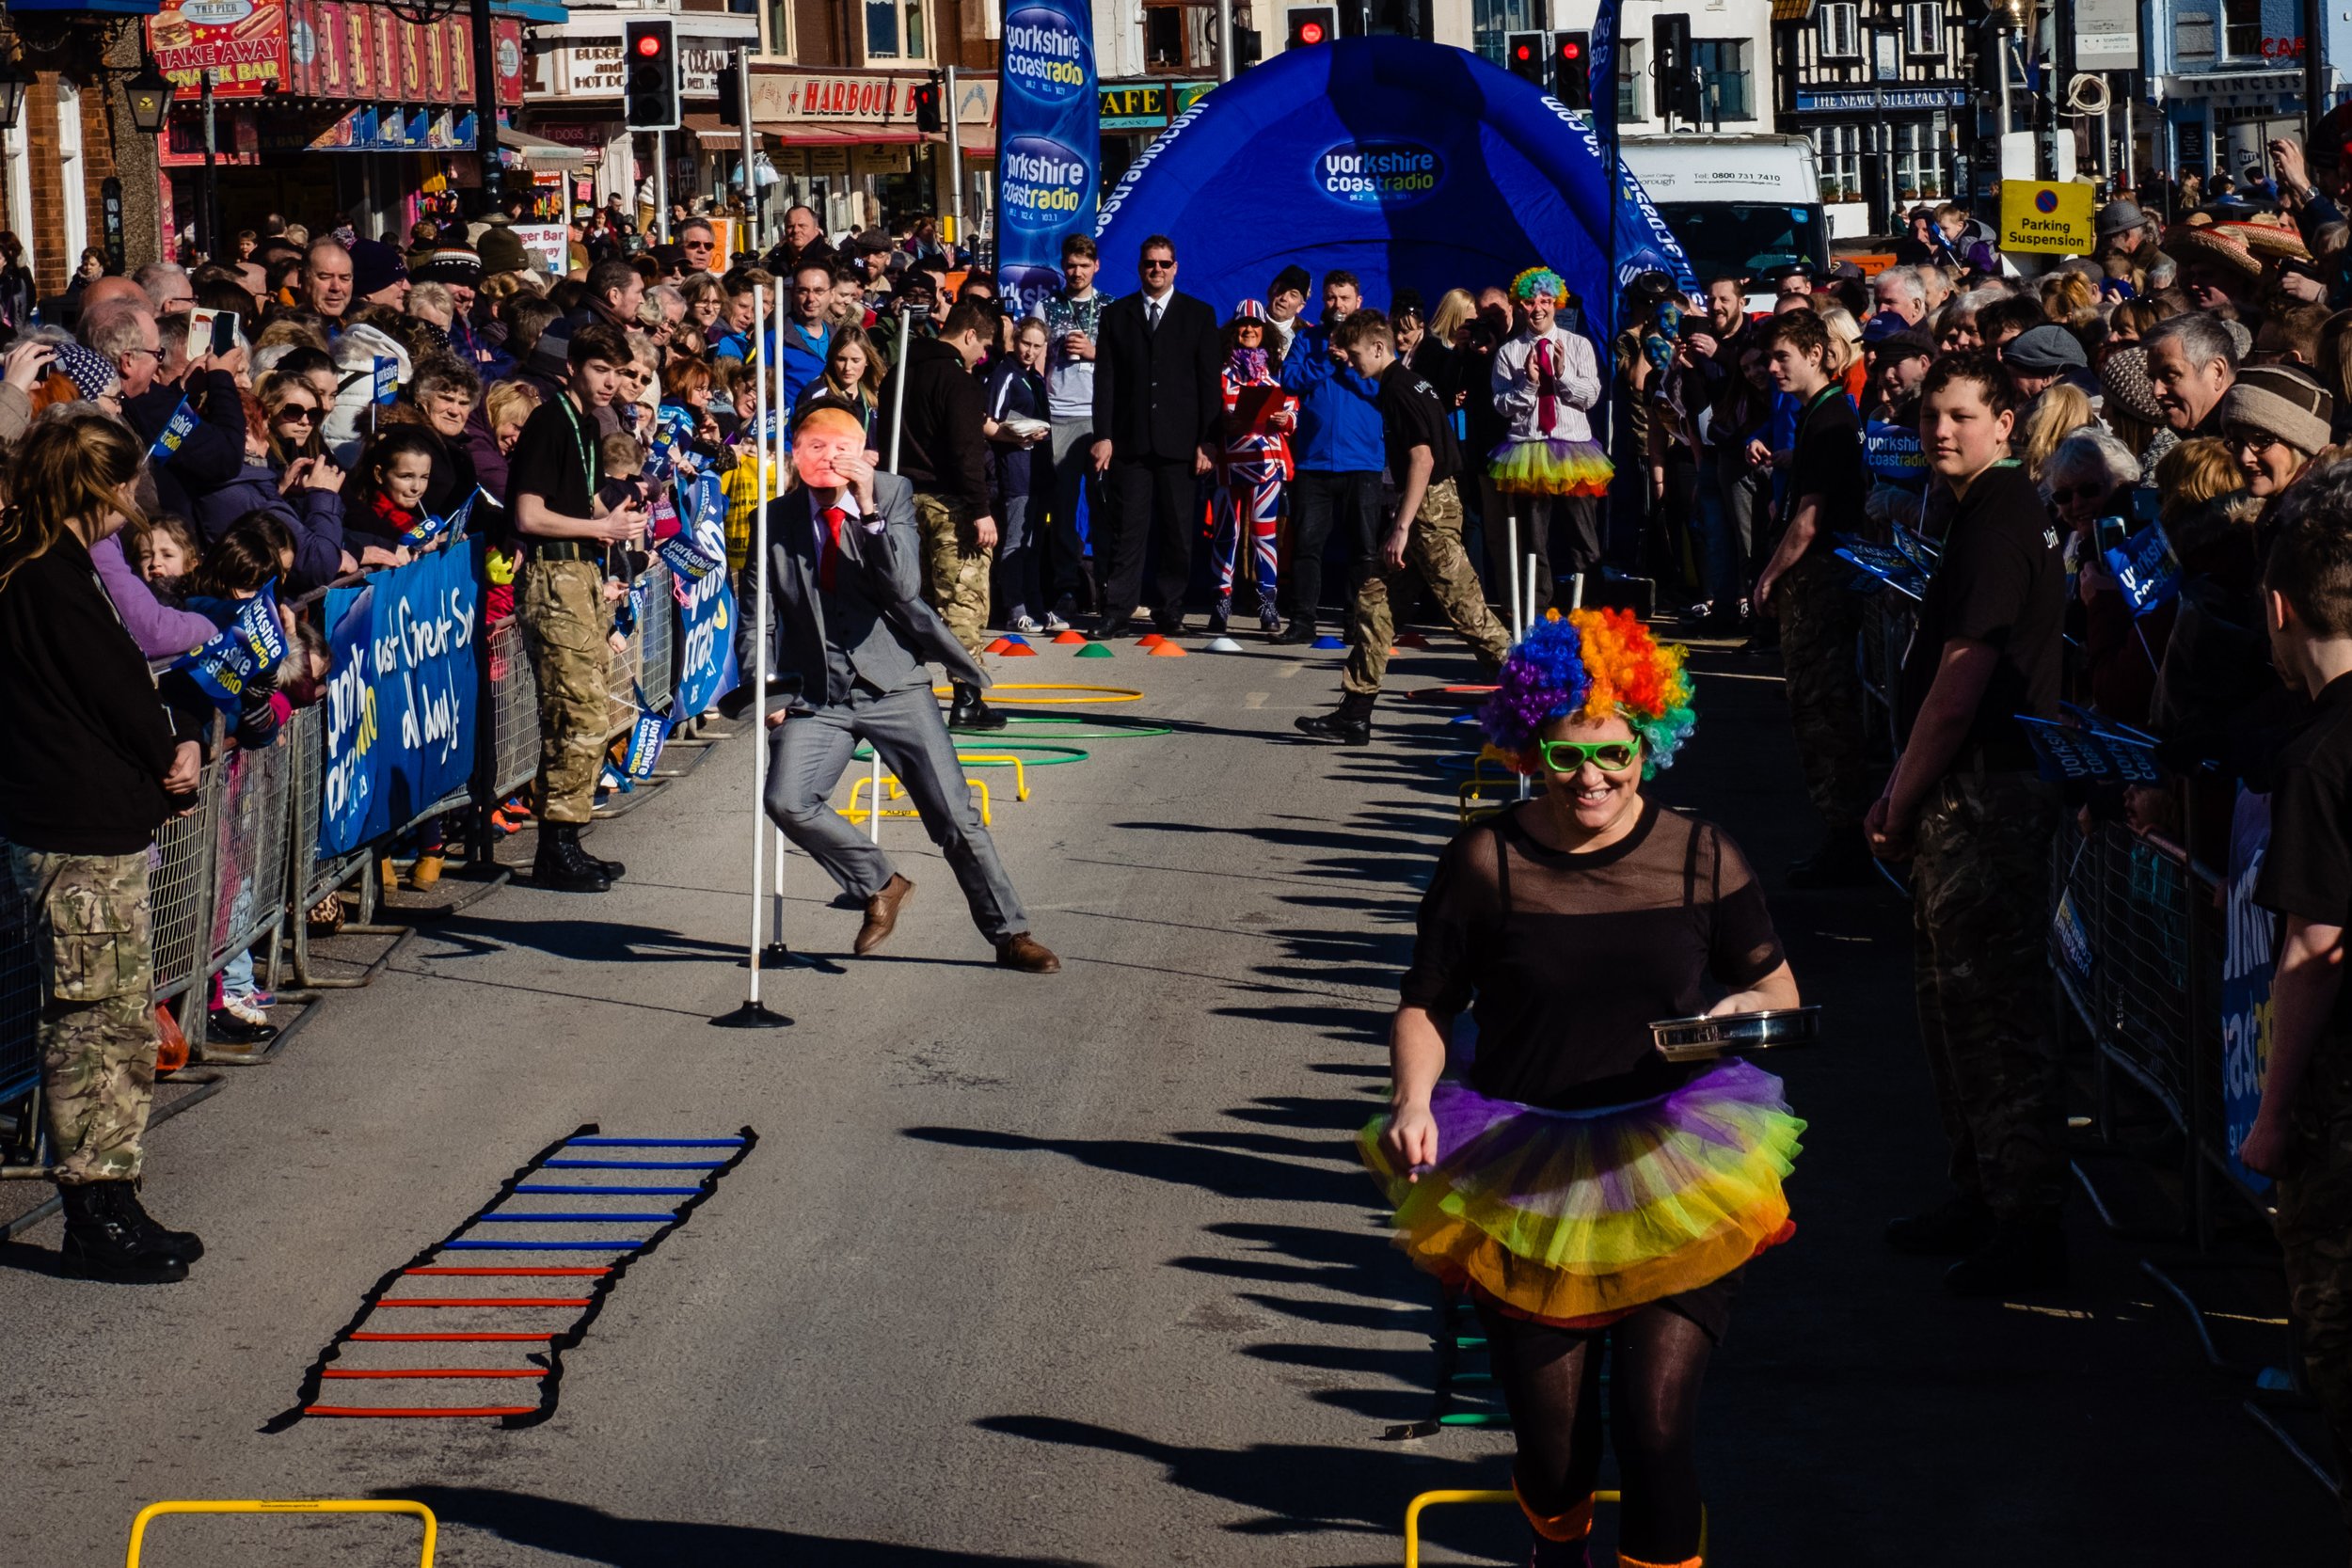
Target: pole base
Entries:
(752, 1015)
(777, 955)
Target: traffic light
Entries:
(1312, 24)
(730, 96)
(649, 68)
(926, 96)
(1528, 56)
(1248, 49)
(1678, 92)
(1572, 69)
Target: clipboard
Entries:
(1253, 406)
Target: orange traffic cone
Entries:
(1069, 635)
(1164, 649)
(1019, 650)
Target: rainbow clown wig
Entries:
(1539, 281)
(1590, 665)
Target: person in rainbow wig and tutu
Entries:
(1544, 379)
(1583, 1191)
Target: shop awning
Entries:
(531, 10)
(798, 135)
(539, 152)
(976, 141)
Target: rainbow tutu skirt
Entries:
(1578, 1218)
(1547, 467)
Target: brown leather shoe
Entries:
(881, 914)
(1027, 954)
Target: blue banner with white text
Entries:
(400, 697)
(1048, 144)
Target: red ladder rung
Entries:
(439, 1372)
(449, 1410)
(487, 1301)
(516, 1273)
(447, 1338)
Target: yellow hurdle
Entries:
(892, 789)
(290, 1505)
(1431, 1500)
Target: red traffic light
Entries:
(648, 45)
(1525, 53)
(1311, 32)
(1571, 49)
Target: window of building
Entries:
(1838, 150)
(1163, 36)
(1728, 84)
(1632, 62)
(76, 200)
(1393, 17)
(18, 147)
(1923, 29)
(1491, 19)
(1841, 32)
(915, 47)
(2242, 28)
(882, 29)
(1920, 170)
(775, 24)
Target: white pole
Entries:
(1531, 587)
(759, 709)
(1576, 591)
(898, 423)
(1510, 564)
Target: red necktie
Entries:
(825, 572)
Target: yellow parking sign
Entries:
(2052, 215)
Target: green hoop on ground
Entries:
(1094, 694)
(1077, 728)
(964, 756)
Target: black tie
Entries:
(1152, 309)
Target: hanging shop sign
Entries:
(242, 42)
(245, 137)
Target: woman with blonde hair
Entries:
(2069, 299)
(2062, 409)
(1456, 308)
(1845, 365)
(100, 755)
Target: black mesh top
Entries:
(1566, 959)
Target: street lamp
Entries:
(13, 87)
(149, 93)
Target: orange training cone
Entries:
(1069, 635)
(1020, 650)
(1164, 649)
(1149, 640)
(996, 647)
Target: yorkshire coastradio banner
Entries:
(1048, 144)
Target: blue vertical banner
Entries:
(1048, 144)
(1601, 86)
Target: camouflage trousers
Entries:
(1819, 618)
(91, 939)
(955, 569)
(2314, 1224)
(560, 605)
(1433, 550)
(1980, 885)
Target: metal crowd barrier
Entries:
(243, 869)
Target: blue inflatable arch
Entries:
(1411, 165)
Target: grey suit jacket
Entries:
(874, 614)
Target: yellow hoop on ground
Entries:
(895, 790)
(1429, 1499)
(295, 1505)
(1103, 694)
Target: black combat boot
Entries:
(563, 866)
(101, 1244)
(2028, 1252)
(1350, 723)
(1953, 1228)
(615, 870)
(181, 1246)
(970, 713)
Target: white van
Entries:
(1738, 204)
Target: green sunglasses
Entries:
(1610, 756)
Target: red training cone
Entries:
(1149, 640)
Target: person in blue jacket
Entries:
(1336, 449)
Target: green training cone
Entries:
(1094, 650)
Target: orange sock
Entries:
(1575, 1525)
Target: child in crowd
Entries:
(389, 494)
(163, 550)
(623, 459)
(2302, 1135)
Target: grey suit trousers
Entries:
(806, 756)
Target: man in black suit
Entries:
(1156, 405)
(845, 584)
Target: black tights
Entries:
(1550, 1378)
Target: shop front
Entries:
(326, 112)
(574, 97)
(845, 143)
(1136, 111)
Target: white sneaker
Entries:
(243, 1011)
(1021, 624)
(1054, 621)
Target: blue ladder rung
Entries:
(652, 1143)
(634, 1165)
(662, 1218)
(615, 1245)
(549, 1190)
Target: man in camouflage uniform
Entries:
(1425, 537)
(1805, 585)
(555, 476)
(941, 445)
(1966, 793)
(91, 938)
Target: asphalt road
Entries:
(1058, 1270)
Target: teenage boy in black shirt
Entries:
(1967, 808)
(552, 477)
(2302, 1135)
(1805, 585)
(1425, 536)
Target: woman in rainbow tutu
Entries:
(1583, 1191)
(1544, 381)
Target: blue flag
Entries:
(1883, 564)
(685, 562)
(2145, 569)
(387, 379)
(252, 645)
(2066, 755)
(645, 739)
(434, 527)
(1892, 451)
(175, 432)
(1602, 81)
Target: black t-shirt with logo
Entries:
(2002, 582)
(1412, 415)
(1828, 463)
(556, 459)
(2307, 870)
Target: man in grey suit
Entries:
(853, 633)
